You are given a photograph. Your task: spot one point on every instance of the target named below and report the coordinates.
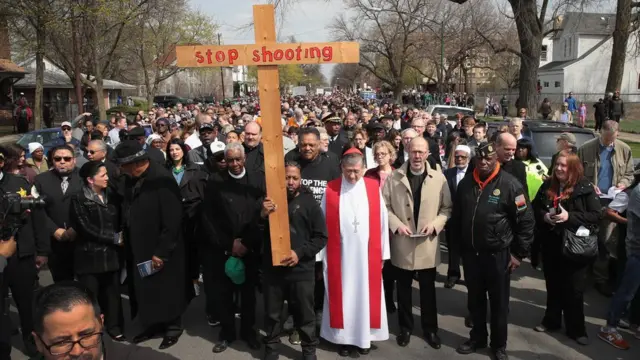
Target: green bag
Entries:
(234, 268)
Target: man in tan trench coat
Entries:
(419, 205)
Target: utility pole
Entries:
(221, 68)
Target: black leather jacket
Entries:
(96, 225)
(492, 219)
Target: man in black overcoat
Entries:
(152, 213)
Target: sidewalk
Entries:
(625, 136)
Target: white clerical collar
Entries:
(464, 170)
(240, 176)
(415, 173)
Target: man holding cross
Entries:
(358, 243)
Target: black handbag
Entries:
(580, 248)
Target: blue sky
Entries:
(306, 20)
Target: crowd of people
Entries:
(176, 199)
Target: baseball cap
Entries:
(234, 269)
(216, 146)
(207, 126)
(65, 123)
(569, 137)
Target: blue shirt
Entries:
(605, 171)
(178, 176)
(571, 101)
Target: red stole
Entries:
(334, 257)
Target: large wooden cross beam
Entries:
(266, 53)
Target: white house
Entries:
(581, 57)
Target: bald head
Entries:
(506, 147)
(418, 153)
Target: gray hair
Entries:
(234, 146)
(409, 130)
(247, 118)
(102, 146)
(352, 160)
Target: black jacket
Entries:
(490, 220)
(55, 214)
(318, 172)
(231, 208)
(96, 225)
(584, 209)
(192, 187)
(308, 234)
(254, 159)
(156, 155)
(519, 170)
(28, 244)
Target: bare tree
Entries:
(162, 26)
(389, 34)
(530, 18)
(627, 22)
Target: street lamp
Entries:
(379, 9)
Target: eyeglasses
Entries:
(66, 128)
(60, 158)
(461, 157)
(161, 125)
(94, 151)
(65, 347)
(381, 154)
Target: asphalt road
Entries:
(527, 308)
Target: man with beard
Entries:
(55, 187)
(208, 133)
(387, 123)
(397, 118)
(150, 189)
(69, 325)
(316, 168)
(492, 225)
(253, 147)
(506, 149)
(230, 211)
(337, 139)
(294, 279)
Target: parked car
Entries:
(168, 100)
(47, 137)
(544, 133)
(450, 111)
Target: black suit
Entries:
(454, 256)
(336, 146)
(55, 215)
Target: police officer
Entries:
(493, 222)
(21, 270)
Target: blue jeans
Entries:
(626, 290)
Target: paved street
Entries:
(527, 308)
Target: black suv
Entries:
(544, 133)
(168, 100)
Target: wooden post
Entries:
(267, 54)
(269, 93)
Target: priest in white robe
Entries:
(354, 312)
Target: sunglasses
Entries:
(93, 151)
(161, 125)
(60, 158)
(66, 128)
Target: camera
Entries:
(13, 209)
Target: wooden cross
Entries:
(266, 53)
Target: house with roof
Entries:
(59, 90)
(580, 59)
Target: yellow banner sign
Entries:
(267, 54)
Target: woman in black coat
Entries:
(192, 181)
(567, 200)
(98, 244)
